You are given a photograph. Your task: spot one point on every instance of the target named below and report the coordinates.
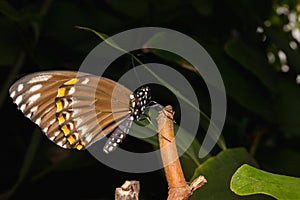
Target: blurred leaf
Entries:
(10, 47)
(280, 39)
(28, 14)
(143, 133)
(57, 28)
(183, 141)
(27, 163)
(240, 87)
(203, 7)
(248, 180)
(218, 171)
(287, 106)
(173, 8)
(174, 59)
(189, 159)
(289, 160)
(160, 38)
(247, 12)
(253, 61)
(72, 161)
(9, 11)
(133, 8)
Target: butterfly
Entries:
(76, 109)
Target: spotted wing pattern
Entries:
(73, 109)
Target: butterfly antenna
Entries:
(135, 72)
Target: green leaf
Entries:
(248, 180)
(203, 7)
(9, 11)
(161, 37)
(253, 61)
(252, 96)
(280, 39)
(218, 171)
(133, 8)
(287, 106)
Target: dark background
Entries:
(263, 99)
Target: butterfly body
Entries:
(76, 109)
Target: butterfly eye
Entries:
(76, 109)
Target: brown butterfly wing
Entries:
(73, 109)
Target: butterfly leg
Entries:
(158, 107)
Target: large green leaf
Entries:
(287, 106)
(241, 88)
(248, 180)
(218, 171)
(253, 61)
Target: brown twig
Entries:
(178, 187)
(128, 191)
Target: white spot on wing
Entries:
(85, 81)
(60, 143)
(48, 109)
(33, 98)
(35, 88)
(40, 78)
(29, 115)
(72, 90)
(84, 129)
(76, 111)
(52, 122)
(33, 109)
(56, 133)
(18, 99)
(71, 125)
(38, 121)
(22, 108)
(78, 121)
(67, 115)
(66, 103)
(45, 129)
(13, 94)
(20, 87)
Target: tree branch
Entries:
(178, 187)
(128, 191)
